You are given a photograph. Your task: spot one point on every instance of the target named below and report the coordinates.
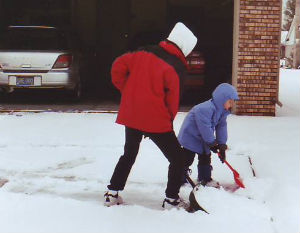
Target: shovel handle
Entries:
(236, 175)
(190, 181)
(230, 167)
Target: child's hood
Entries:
(222, 93)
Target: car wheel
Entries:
(5, 92)
(75, 94)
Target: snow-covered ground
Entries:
(58, 166)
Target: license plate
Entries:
(25, 81)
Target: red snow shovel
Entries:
(237, 178)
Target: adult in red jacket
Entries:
(149, 81)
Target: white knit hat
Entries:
(183, 38)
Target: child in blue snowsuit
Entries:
(204, 129)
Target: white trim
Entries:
(236, 24)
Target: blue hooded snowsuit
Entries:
(206, 123)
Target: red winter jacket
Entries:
(149, 81)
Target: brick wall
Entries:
(258, 56)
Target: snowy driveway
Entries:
(58, 166)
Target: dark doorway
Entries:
(106, 29)
(212, 23)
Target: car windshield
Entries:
(32, 39)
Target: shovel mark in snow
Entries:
(73, 163)
(65, 165)
(49, 171)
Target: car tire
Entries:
(75, 94)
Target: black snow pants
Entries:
(169, 146)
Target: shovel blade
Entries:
(194, 205)
(239, 181)
(236, 176)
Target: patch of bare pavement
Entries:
(84, 106)
(3, 182)
(106, 106)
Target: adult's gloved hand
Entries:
(222, 152)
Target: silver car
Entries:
(38, 57)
